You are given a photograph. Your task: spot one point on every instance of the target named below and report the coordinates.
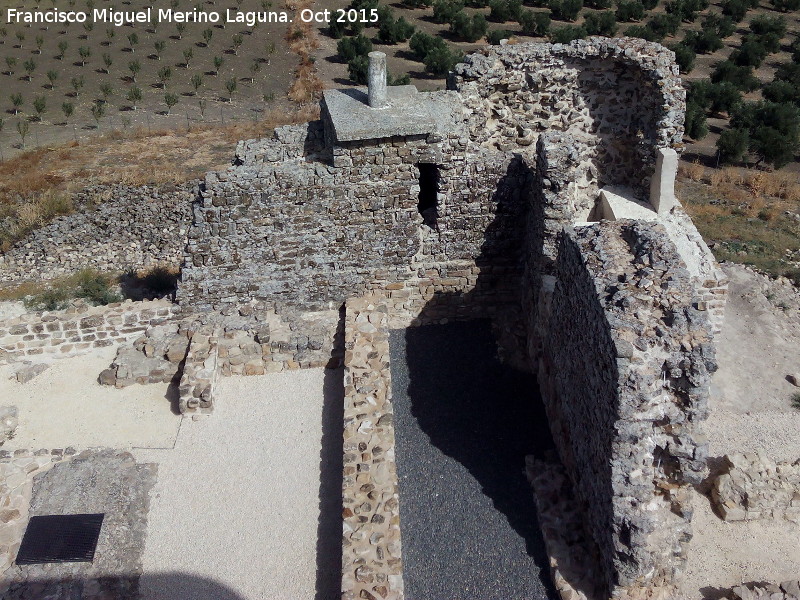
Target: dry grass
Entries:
(693, 171)
(303, 40)
(741, 214)
(37, 185)
(307, 86)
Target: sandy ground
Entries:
(750, 409)
(726, 554)
(237, 501)
(65, 406)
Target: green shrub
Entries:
(422, 44)
(393, 31)
(505, 10)
(441, 61)
(358, 69)
(781, 91)
(565, 10)
(740, 76)
(53, 298)
(404, 79)
(732, 145)
(773, 130)
(599, 4)
(735, 9)
(700, 93)
(95, 287)
(469, 29)
(695, 124)
(640, 31)
(724, 97)
(351, 47)
(750, 54)
(629, 10)
(795, 50)
(496, 35)
(89, 284)
(789, 71)
(535, 23)
(684, 56)
(336, 29)
(785, 5)
(445, 10)
(601, 23)
(764, 24)
(686, 10)
(722, 25)
(664, 25)
(703, 41)
(567, 33)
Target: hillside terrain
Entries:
(156, 103)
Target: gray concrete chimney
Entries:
(376, 79)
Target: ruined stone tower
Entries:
(537, 190)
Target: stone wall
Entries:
(113, 228)
(753, 486)
(305, 234)
(787, 590)
(624, 372)
(78, 329)
(299, 222)
(618, 99)
(612, 319)
(372, 565)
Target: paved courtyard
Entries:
(227, 507)
(464, 424)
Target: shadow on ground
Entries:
(329, 527)
(162, 586)
(464, 424)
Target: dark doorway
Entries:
(429, 194)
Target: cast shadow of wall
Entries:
(161, 586)
(329, 526)
(473, 408)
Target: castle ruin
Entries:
(538, 190)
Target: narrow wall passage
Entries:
(463, 424)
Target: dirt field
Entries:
(239, 47)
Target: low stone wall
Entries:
(371, 550)
(78, 329)
(112, 228)
(753, 486)
(200, 371)
(788, 590)
(572, 554)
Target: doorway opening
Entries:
(428, 199)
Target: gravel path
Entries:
(66, 406)
(237, 506)
(464, 424)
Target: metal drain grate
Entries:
(60, 538)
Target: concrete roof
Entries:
(408, 113)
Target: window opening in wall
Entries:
(429, 194)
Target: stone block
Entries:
(662, 184)
(29, 371)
